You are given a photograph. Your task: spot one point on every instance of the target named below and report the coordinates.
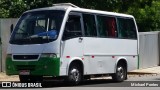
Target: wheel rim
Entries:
(120, 72)
(74, 74)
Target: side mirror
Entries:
(11, 28)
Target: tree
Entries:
(12, 8)
(17, 7)
(146, 14)
(3, 11)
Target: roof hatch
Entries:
(66, 4)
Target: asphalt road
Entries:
(149, 78)
(108, 84)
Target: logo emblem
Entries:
(6, 84)
(25, 57)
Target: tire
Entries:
(29, 78)
(74, 75)
(121, 73)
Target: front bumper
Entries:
(45, 66)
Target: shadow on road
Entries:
(49, 84)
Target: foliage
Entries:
(147, 16)
(146, 12)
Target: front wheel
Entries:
(74, 75)
(121, 73)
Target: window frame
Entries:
(81, 23)
(96, 24)
(118, 31)
(108, 16)
(94, 15)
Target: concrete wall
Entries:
(5, 35)
(149, 49)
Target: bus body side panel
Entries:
(103, 53)
(99, 64)
(133, 63)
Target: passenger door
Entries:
(72, 41)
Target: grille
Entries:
(25, 67)
(25, 57)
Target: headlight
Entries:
(51, 55)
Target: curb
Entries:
(140, 73)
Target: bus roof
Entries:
(72, 7)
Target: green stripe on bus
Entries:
(138, 63)
(45, 66)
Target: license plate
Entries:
(24, 72)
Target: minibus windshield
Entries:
(37, 27)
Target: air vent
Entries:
(25, 67)
(25, 57)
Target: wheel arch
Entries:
(77, 61)
(122, 61)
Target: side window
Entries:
(72, 28)
(102, 26)
(126, 28)
(89, 25)
(106, 26)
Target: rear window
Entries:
(126, 28)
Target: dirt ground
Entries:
(4, 77)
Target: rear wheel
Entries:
(121, 73)
(74, 75)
